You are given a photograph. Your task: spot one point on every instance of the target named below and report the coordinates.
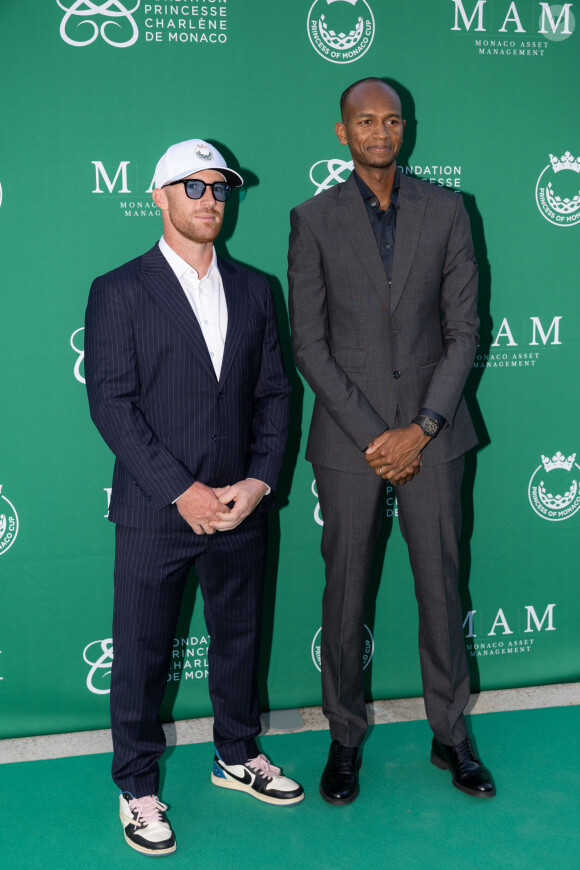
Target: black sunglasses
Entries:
(195, 188)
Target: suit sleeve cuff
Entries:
(427, 412)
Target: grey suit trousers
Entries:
(430, 521)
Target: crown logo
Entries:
(558, 461)
(203, 152)
(566, 161)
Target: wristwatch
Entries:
(429, 426)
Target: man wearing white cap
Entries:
(186, 385)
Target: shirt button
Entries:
(397, 374)
(212, 353)
(206, 322)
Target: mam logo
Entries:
(76, 339)
(553, 22)
(84, 21)
(115, 181)
(504, 640)
(369, 648)
(8, 523)
(505, 357)
(554, 489)
(341, 31)
(561, 208)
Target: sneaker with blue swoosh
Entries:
(258, 778)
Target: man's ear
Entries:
(159, 198)
(340, 131)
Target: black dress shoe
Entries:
(339, 782)
(467, 771)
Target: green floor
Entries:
(63, 814)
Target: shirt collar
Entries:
(368, 195)
(178, 264)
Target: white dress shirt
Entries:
(207, 298)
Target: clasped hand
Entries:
(207, 510)
(396, 454)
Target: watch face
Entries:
(430, 427)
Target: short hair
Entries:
(345, 94)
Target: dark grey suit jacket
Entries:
(369, 350)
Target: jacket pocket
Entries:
(351, 359)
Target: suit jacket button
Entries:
(220, 395)
(214, 437)
(397, 374)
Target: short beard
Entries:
(383, 164)
(201, 235)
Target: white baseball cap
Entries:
(191, 156)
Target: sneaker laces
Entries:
(148, 809)
(263, 766)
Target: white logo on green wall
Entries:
(85, 21)
(341, 31)
(554, 489)
(8, 523)
(558, 190)
(189, 662)
(76, 339)
(369, 648)
(317, 515)
(100, 661)
(327, 173)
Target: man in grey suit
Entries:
(383, 310)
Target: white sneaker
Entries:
(259, 778)
(146, 828)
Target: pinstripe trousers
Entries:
(151, 570)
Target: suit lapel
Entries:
(234, 283)
(357, 227)
(164, 288)
(409, 221)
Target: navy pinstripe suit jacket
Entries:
(155, 398)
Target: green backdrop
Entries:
(92, 95)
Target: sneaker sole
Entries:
(239, 786)
(153, 852)
(442, 765)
